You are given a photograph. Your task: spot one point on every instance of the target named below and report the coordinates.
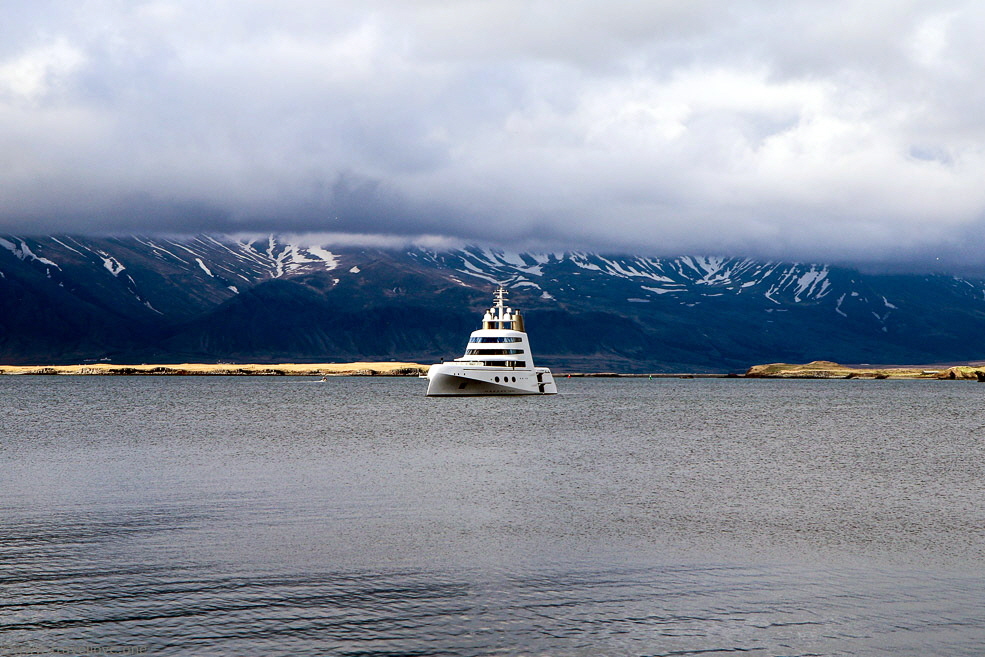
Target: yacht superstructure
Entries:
(497, 360)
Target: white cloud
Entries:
(35, 73)
(799, 129)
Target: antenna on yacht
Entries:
(500, 296)
(499, 313)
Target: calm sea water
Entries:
(282, 516)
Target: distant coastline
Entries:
(290, 369)
(223, 369)
(813, 370)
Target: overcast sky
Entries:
(834, 130)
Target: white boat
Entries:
(497, 360)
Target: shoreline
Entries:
(293, 369)
(221, 369)
(812, 370)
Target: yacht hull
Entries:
(452, 380)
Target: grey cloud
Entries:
(800, 130)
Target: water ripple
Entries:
(358, 518)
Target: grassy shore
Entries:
(822, 369)
(226, 369)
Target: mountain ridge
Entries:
(218, 297)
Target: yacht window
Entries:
(492, 352)
(495, 340)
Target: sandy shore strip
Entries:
(226, 369)
(814, 370)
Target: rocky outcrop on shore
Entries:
(822, 369)
(965, 372)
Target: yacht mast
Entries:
(501, 316)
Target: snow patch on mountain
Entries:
(158, 250)
(813, 282)
(276, 258)
(658, 290)
(113, 265)
(268, 257)
(581, 260)
(66, 246)
(24, 252)
(330, 259)
(473, 270)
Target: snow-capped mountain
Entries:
(200, 271)
(646, 278)
(212, 297)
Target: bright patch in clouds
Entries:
(31, 74)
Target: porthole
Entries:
(497, 379)
(514, 379)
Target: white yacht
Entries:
(497, 360)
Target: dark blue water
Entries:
(280, 516)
